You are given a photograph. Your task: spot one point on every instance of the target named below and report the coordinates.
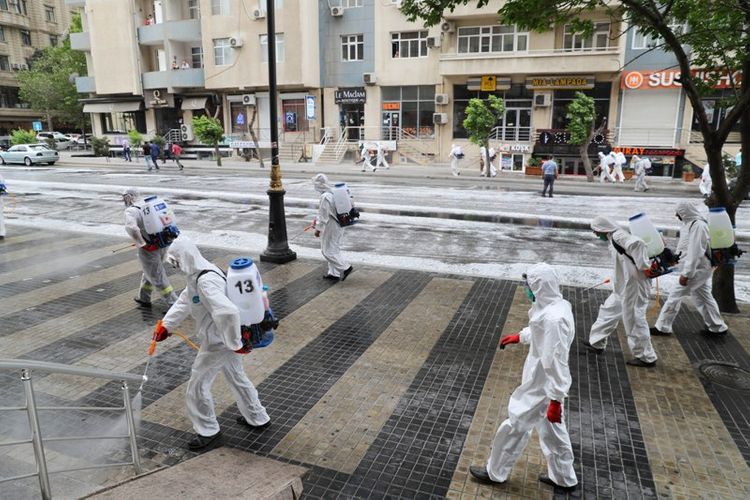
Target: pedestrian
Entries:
(706, 182)
(617, 160)
(456, 155)
(147, 155)
(640, 167)
(126, 150)
(630, 293)
(695, 275)
(604, 163)
(326, 224)
(149, 254)
(493, 157)
(167, 153)
(483, 159)
(381, 161)
(154, 151)
(176, 153)
(149, 20)
(3, 193)
(175, 65)
(364, 157)
(185, 64)
(550, 173)
(537, 404)
(221, 346)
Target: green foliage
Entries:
(135, 138)
(208, 130)
(581, 116)
(21, 136)
(481, 118)
(534, 162)
(730, 167)
(100, 146)
(51, 143)
(159, 141)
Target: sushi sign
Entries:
(670, 79)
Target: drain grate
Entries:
(726, 374)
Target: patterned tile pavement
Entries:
(388, 385)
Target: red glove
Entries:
(150, 247)
(510, 339)
(554, 412)
(653, 271)
(160, 333)
(246, 334)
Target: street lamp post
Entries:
(278, 250)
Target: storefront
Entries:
(666, 162)
(351, 102)
(410, 108)
(512, 156)
(651, 104)
(516, 123)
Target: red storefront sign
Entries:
(667, 79)
(649, 151)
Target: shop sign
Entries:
(354, 95)
(310, 107)
(478, 83)
(391, 106)
(643, 151)
(514, 148)
(668, 79)
(560, 82)
(488, 84)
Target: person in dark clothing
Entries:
(549, 170)
(154, 151)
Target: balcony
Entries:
(531, 62)
(85, 84)
(471, 11)
(188, 30)
(177, 78)
(80, 41)
(75, 3)
(8, 18)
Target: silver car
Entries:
(29, 154)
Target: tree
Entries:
(481, 118)
(581, 118)
(21, 136)
(717, 41)
(209, 131)
(100, 146)
(136, 140)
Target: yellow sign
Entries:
(489, 83)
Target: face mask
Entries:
(602, 237)
(530, 294)
(678, 216)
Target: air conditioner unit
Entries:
(186, 132)
(337, 11)
(259, 14)
(433, 42)
(235, 42)
(440, 118)
(448, 27)
(542, 100)
(248, 99)
(369, 78)
(23, 66)
(442, 99)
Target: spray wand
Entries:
(597, 285)
(152, 349)
(123, 248)
(307, 228)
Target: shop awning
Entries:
(194, 102)
(112, 107)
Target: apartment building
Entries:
(25, 26)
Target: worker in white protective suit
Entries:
(640, 167)
(329, 231)
(483, 159)
(493, 158)
(695, 275)
(3, 193)
(221, 344)
(381, 161)
(630, 293)
(706, 182)
(456, 155)
(617, 161)
(149, 254)
(604, 163)
(538, 402)
(364, 157)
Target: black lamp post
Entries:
(278, 250)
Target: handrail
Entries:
(45, 366)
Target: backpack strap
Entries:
(622, 251)
(221, 274)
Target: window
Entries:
(575, 42)
(350, 4)
(2, 33)
(409, 44)
(53, 40)
(3, 4)
(515, 125)
(220, 7)
(20, 6)
(194, 10)
(120, 123)
(26, 37)
(4, 63)
(279, 48)
(9, 98)
(497, 38)
(295, 116)
(197, 56)
(49, 13)
(563, 98)
(223, 52)
(352, 47)
(645, 41)
(416, 105)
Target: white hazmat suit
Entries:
(3, 193)
(706, 182)
(630, 293)
(483, 160)
(695, 266)
(618, 160)
(381, 161)
(604, 163)
(546, 377)
(329, 230)
(640, 166)
(150, 256)
(218, 322)
(455, 156)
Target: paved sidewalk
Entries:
(388, 385)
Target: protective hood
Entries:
(185, 256)
(602, 224)
(544, 284)
(690, 212)
(320, 181)
(129, 195)
(601, 155)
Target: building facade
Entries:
(25, 26)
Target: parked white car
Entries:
(29, 154)
(61, 140)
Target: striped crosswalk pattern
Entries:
(8, 258)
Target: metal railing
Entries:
(518, 134)
(173, 135)
(37, 441)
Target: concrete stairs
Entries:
(420, 152)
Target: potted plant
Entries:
(687, 173)
(533, 166)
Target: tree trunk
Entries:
(487, 167)
(218, 155)
(255, 137)
(584, 153)
(49, 121)
(723, 289)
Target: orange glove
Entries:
(554, 412)
(150, 247)
(510, 339)
(160, 333)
